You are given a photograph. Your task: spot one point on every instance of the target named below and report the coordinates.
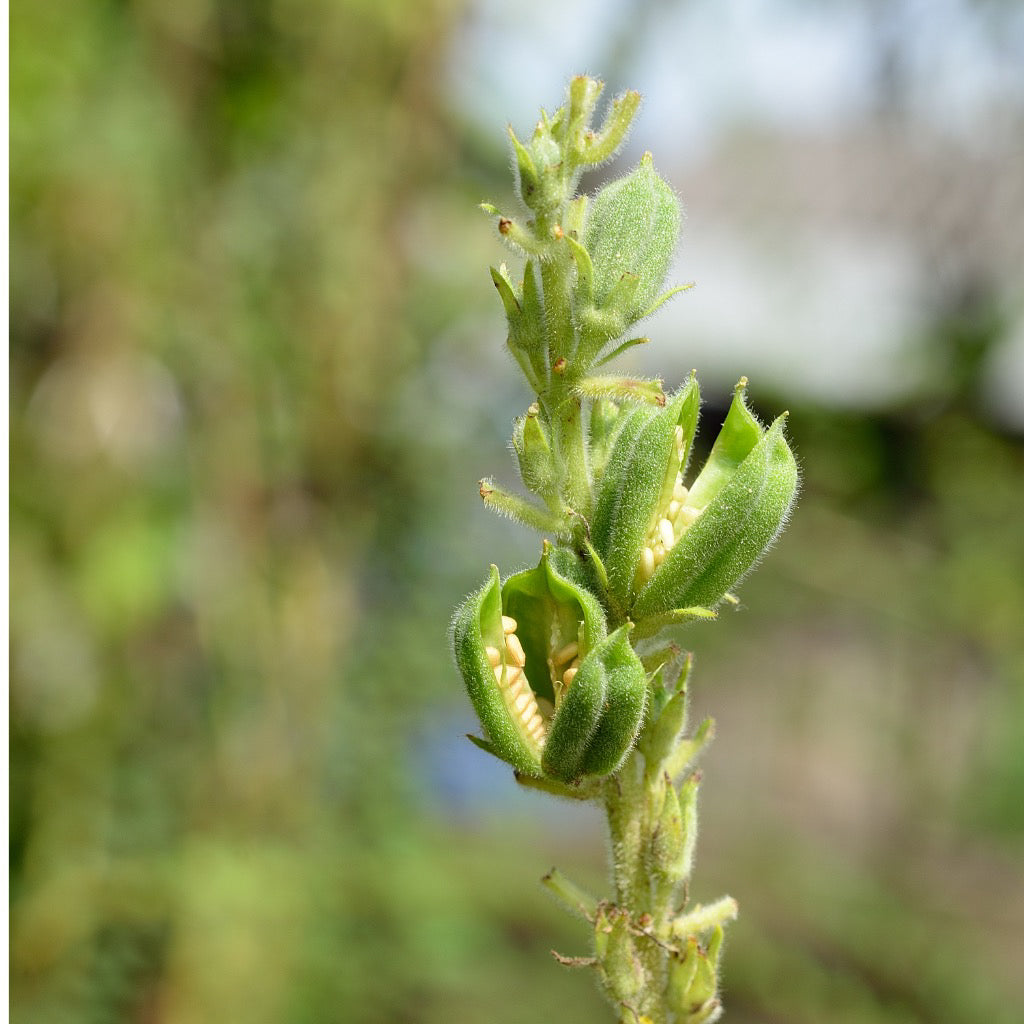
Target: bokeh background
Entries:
(257, 371)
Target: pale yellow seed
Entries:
(493, 656)
(668, 538)
(647, 563)
(567, 653)
(673, 508)
(521, 701)
(508, 624)
(570, 675)
(659, 553)
(679, 492)
(536, 723)
(516, 681)
(515, 650)
(679, 436)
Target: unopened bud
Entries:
(631, 235)
(533, 450)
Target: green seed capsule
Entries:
(750, 504)
(600, 714)
(555, 694)
(494, 682)
(646, 463)
(623, 714)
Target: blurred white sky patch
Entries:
(846, 167)
(773, 317)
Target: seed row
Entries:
(566, 656)
(516, 690)
(667, 530)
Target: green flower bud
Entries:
(605, 423)
(555, 694)
(631, 235)
(667, 716)
(693, 982)
(669, 844)
(643, 472)
(621, 970)
(533, 450)
(716, 532)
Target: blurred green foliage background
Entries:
(257, 371)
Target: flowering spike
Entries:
(566, 664)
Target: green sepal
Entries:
(573, 897)
(584, 93)
(476, 626)
(729, 537)
(532, 334)
(736, 440)
(652, 624)
(632, 230)
(619, 349)
(596, 724)
(576, 721)
(702, 918)
(499, 275)
(584, 290)
(644, 462)
(687, 804)
(625, 705)
(552, 611)
(681, 974)
(686, 751)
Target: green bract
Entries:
(556, 695)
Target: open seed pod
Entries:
(644, 471)
(716, 531)
(556, 696)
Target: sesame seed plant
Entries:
(567, 664)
